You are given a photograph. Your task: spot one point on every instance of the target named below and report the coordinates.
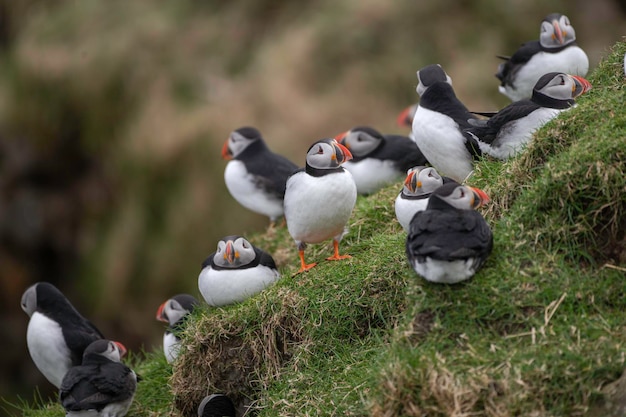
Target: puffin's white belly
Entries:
(242, 187)
(47, 348)
(318, 208)
(406, 209)
(370, 175)
(227, 286)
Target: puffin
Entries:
(254, 175)
(216, 405)
(237, 270)
(57, 333)
(378, 160)
(319, 199)
(555, 51)
(174, 311)
(438, 125)
(507, 132)
(449, 241)
(101, 385)
(420, 183)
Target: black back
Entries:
(440, 97)
(78, 332)
(487, 130)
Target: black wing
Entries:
(508, 69)
(448, 235)
(487, 130)
(402, 150)
(78, 336)
(271, 172)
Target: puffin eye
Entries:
(245, 244)
(320, 150)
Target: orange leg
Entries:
(303, 265)
(336, 256)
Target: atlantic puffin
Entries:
(216, 405)
(174, 311)
(438, 125)
(555, 51)
(420, 183)
(254, 175)
(319, 198)
(449, 241)
(57, 333)
(378, 160)
(236, 271)
(507, 132)
(101, 385)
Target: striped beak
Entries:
(480, 197)
(581, 86)
(342, 154)
(160, 315)
(226, 153)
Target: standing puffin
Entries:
(419, 184)
(555, 51)
(254, 175)
(57, 333)
(508, 131)
(101, 385)
(438, 125)
(378, 160)
(216, 405)
(236, 271)
(174, 311)
(319, 198)
(449, 241)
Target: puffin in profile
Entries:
(319, 198)
(508, 131)
(174, 311)
(236, 271)
(378, 160)
(254, 175)
(555, 51)
(216, 405)
(449, 241)
(419, 184)
(57, 333)
(438, 125)
(101, 385)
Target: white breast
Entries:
(171, 346)
(47, 348)
(226, 286)
(370, 175)
(445, 272)
(242, 187)
(515, 135)
(406, 209)
(442, 143)
(318, 208)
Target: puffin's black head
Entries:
(430, 75)
(45, 297)
(234, 252)
(453, 194)
(556, 31)
(103, 350)
(361, 140)
(239, 140)
(176, 307)
(558, 90)
(327, 154)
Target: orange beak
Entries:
(409, 181)
(122, 348)
(230, 254)
(342, 154)
(405, 118)
(340, 137)
(558, 34)
(226, 154)
(481, 197)
(582, 84)
(160, 315)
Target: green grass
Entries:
(539, 331)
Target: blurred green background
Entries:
(113, 114)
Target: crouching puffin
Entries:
(438, 125)
(174, 311)
(319, 198)
(449, 241)
(236, 271)
(508, 131)
(57, 333)
(378, 160)
(101, 385)
(419, 184)
(255, 176)
(555, 51)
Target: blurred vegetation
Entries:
(113, 114)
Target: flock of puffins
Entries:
(447, 240)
